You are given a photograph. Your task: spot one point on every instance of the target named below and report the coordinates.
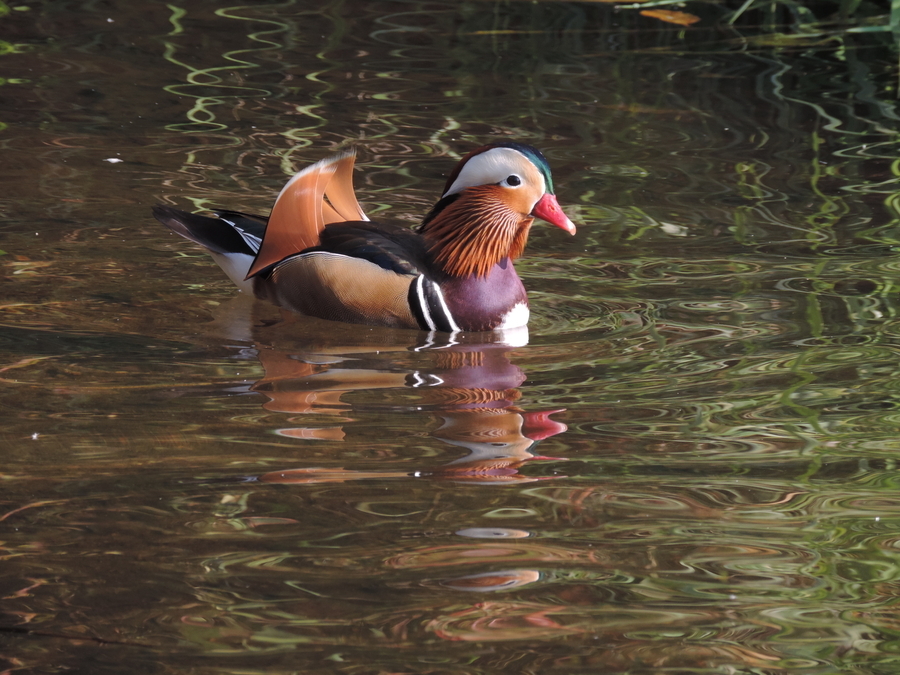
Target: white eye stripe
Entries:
(494, 167)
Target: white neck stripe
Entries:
(423, 302)
(446, 310)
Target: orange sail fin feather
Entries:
(339, 191)
(300, 212)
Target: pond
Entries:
(688, 464)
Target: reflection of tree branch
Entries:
(18, 630)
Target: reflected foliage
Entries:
(192, 485)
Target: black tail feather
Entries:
(219, 236)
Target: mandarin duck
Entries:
(318, 254)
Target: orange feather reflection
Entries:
(479, 417)
(493, 621)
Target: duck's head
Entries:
(490, 201)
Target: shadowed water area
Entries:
(690, 467)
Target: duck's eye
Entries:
(513, 181)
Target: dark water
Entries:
(689, 468)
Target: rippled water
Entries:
(689, 467)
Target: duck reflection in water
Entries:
(465, 380)
(465, 386)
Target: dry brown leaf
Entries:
(671, 16)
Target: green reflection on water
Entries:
(208, 490)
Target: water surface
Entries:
(688, 467)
